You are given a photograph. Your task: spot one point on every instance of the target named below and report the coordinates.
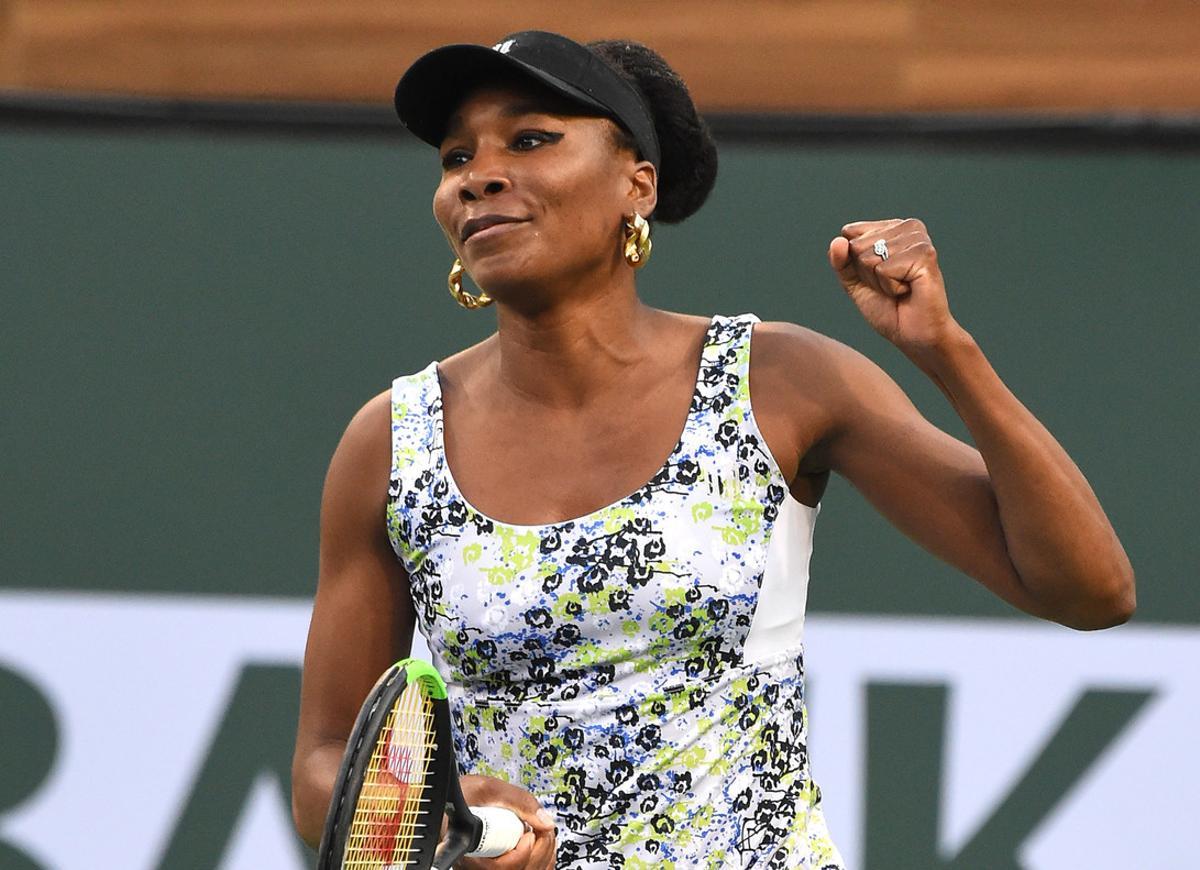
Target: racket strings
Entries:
(389, 817)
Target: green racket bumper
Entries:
(415, 669)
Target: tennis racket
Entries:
(399, 780)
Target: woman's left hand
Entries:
(902, 297)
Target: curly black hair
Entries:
(688, 167)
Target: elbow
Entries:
(1113, 603)
(314, 778)
(309, 824)
(1126, 605)
(299, 819)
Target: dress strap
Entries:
(416, 420)
(724, 380)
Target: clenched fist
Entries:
(901, 295)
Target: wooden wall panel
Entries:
(1067, 55)
(786, 55)
(9, 71)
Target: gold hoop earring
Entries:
(637, 241)
(461, 296)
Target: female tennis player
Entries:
(600, 517)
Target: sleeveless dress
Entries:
(638, 669)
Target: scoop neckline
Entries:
(456, 492)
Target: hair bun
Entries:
(689, 153)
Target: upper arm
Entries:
(363, 616)
(931, 486)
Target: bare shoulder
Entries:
(793, 360)
(807, 364)
(372, 422)
(806, 387)
(778, 343)
(690, 322)
(789, 365)
(363, 456)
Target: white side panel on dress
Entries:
(778, 623)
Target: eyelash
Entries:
(543, 136)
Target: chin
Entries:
(499, 275)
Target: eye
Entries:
(454, 157)
(527, 140)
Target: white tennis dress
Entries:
(640, 669)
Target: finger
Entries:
(885, 271)
(906, 267)
(902, 241)
(895, 238)
(860, 266)
(889, 228)
(885, 282)
(518, 858)
(519, 808)
(533, 815)
(543, 851)
(839, 257)
(486, 791)
(857, 229)
(863, 247)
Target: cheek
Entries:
(584, 206)
(442, 208)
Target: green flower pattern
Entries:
(598, 662)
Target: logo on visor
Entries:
(504, 47)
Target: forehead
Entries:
(510, 100)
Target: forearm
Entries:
(1061, 544)
(313, 778)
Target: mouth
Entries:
(486, 225)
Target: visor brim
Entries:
(436, 84)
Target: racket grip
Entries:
(502, 829)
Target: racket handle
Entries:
(502, 829)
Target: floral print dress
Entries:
(639, 669)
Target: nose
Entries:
(485, 176)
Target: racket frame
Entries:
(355, 761)
(465, 829)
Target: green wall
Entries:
(190, 319)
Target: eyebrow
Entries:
(512, 110)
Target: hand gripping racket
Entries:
(397, 781)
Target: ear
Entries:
(643, 188)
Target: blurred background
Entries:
(216, 243)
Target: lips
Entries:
(482, 222)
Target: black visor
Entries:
(436, 83)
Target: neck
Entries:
(567, 354)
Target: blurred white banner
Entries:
(143, 693)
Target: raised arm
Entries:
(362, 616)
(1016, 513)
